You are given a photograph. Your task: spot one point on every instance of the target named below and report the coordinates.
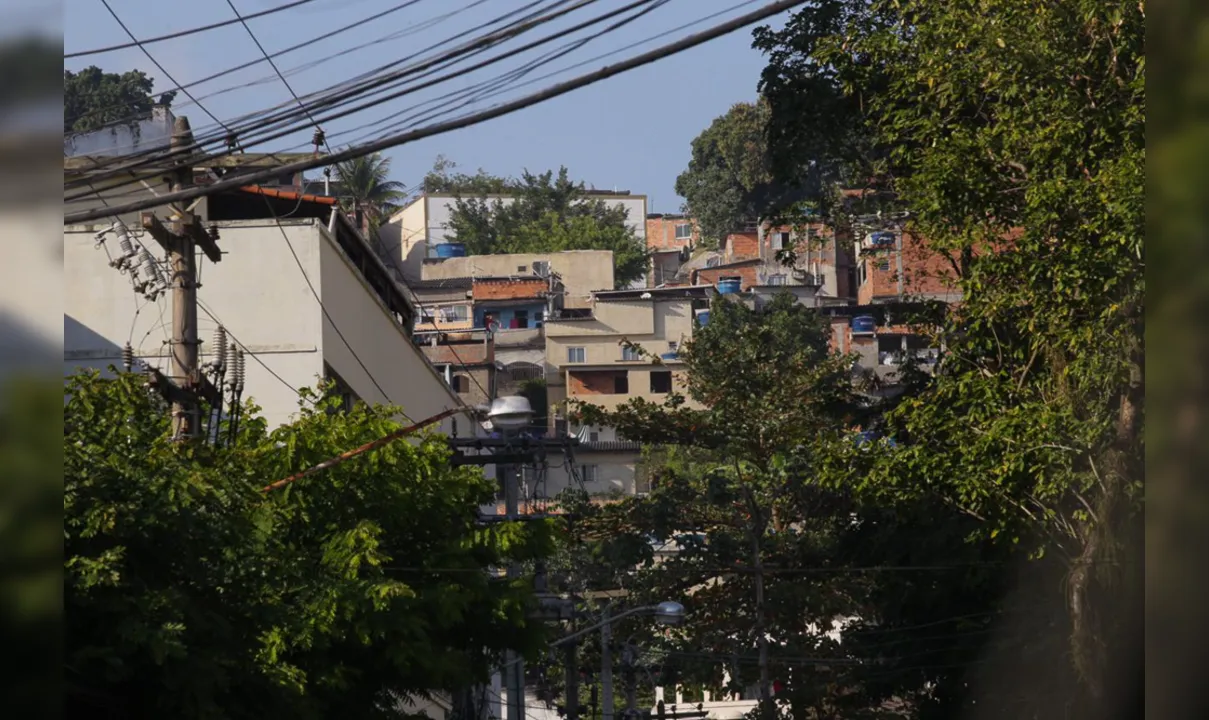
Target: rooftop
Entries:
(664, 293)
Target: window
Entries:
(630, 354)
(590, 473)
(521, 269)
(684, 231)
(621, 384)
(712, 262)
(661, 382)
(889, 349)
(461, 384)
(883, 265)
(779, 240)
(455, 313)
(776, 279)
(593, 436)
(575, 355)
(673, 346)
(520, 319)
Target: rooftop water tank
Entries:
(863, 324)
(730, 286)
(450, 250)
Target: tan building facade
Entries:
(582, 272)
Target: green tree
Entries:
(443, 179)
(729, 179)
(93, 99)
(993, 119)
(549, 213)
(190, 592)
(368, 194)
(740, 499)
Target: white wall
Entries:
(261, 296)
(272, 313)
(402, 374)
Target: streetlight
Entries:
(509, 414)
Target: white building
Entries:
(304, 295)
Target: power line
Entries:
(183, 33)
(369, 136)
(456, 124)
(277, 222)
(136, 42)
(298, 46)
(366, 83)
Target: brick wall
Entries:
(925, 272)
(749, 274)
(661, 232)
(593, 382)
(742, 246)
(509, 289)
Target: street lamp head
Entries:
(669, 612)
(509, 412)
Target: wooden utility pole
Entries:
(180, 238)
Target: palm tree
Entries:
(366, 191)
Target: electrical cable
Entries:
(297, 46)
(482, 64)
(284, 235)
(555, 73)
(246, 351)
(183, 33)
(516, 74)
(359, 85)
(456, 124)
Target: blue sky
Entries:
(630, 132)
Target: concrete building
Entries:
(754, 256)
(589, 359)
(413, 233)
(582, 272)
(671, 240)
(895, 265)
(305, 296)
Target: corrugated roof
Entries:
(439, 283)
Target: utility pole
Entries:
(631, 682)
(572, 681)
(606, 667)
(186, 384)
(514, 670)
(186, 414)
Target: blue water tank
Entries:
(670, 356)
(449, 250)
(863, 324)
(703, 318)
(882, 239)
(729, 286)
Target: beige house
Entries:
(605, 358)
(582, 271)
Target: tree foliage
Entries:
(544, 213)
(729, 180)
(1017, 127)
(368, 190)
(189, 592)
(94, 99)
